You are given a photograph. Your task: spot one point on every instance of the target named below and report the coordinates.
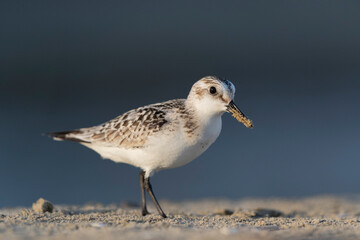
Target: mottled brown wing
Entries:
(132, 129)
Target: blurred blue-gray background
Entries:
(71, 64)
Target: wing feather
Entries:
(132, 129)
(129, 130)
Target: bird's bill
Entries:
(236, 113)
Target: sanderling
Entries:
(163, 135)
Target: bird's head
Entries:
(214, 96)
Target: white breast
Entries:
(179, 149)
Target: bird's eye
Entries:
(212, 90)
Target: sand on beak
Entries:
(236, 113)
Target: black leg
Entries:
(153, 198)
(143, 199)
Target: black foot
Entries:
(144, 212)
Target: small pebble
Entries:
(42, 206)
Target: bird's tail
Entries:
(72, 135)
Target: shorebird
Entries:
(163, 135)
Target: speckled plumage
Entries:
(133, 128)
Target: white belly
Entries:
(164, 151)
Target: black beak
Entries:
(236, 113)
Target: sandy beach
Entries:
(320, 217)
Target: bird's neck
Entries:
(202, 122)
